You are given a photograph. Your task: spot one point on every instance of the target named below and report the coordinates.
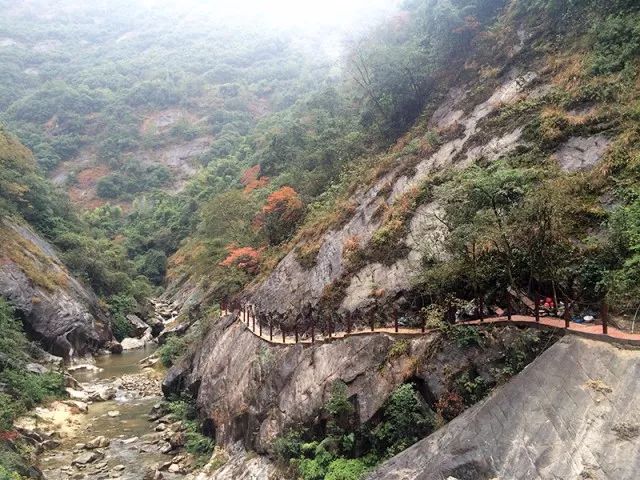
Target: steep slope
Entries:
(57, 310)
(299, 285)
(252, 392)
(570, 414)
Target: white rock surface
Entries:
(582, 153)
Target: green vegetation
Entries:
(196, 443)
(348, 450)
(7, 475)
(172, 350)
(22, 390)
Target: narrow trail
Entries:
(594, 332)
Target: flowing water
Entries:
(134, 448)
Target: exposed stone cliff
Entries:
(463, 112)
(571, 414)
(252, 391)
(56, 308)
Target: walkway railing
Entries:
(262, 325)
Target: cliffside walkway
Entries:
(594, 332)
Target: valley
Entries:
(319, 240)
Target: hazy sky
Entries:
(340, 14)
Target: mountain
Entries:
(460, 158)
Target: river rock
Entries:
(88, 457)
(113, 413)
(36, 368)
(138, 327)
(114, 347)
(100, 392)
(98, 442)
(157, 326)
(82, 407)
(135, 343)
(177, 440)
(132, 343)
(50, 444)
(77, 395)
(84, 366)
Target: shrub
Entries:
(172, 349)
(346, 469)
(472, 389)
(450, 405)
(197, 444)
(119, 307)
(6, 474)
(340, 410)
(288, 446)
(246, 259)
(617, 43)
(10, 409)
(398, 349)
(406, 419)
(281, 214)
(31, 389)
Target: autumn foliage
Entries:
(243, 258)
(252, 180)
(280, 214)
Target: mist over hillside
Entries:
(295, 217)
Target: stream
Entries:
(115, 438)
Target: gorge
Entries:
(319, 241)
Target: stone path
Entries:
(594, 332)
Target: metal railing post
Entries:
(537, 308)
(605, 317)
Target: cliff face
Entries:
(570, 414)
(252, 391)
(463, 120)
(56, 308)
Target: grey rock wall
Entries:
(571, 414)
(66, 318)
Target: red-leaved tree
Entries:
(280, 214)
(243, 258)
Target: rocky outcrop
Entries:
(582, 153)
(56, 308)
(237, 464)
(252, 391)
(570, 414)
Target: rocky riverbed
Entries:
(114, 426)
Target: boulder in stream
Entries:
(88, 457)
(98, 442)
